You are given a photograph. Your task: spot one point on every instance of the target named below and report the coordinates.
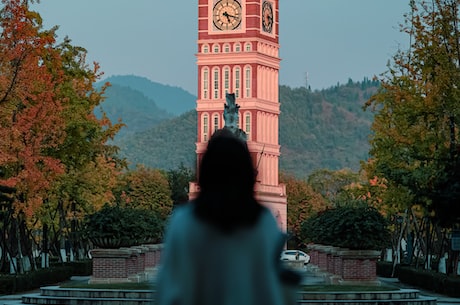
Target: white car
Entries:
(295, 255)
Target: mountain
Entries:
(165, 146)
(133, 108)
(324, 129)
(320, 129)
(174, 100)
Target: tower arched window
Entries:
(237, 83)
(216, 83)
(215, 121)
(226, 80)
(247, 124)
(227, 48)
(205, 48)
(205, 83)
(215, 48)
(237, 47)
(248, 47)
(248, 81)
(205, 127)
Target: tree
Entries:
(302, 203)
(145, 188)
(30, 121)
(414, 145)
(53, 151)
(351, 227)
(415, 140)
(179, 180)
(91, 164)
(330, 183)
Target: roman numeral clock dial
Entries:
(267, 16)
(227, 15)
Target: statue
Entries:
(231, 116)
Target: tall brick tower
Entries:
(238, 52)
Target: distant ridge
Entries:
(325, 129)
(174, 100)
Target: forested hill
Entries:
(325, 129)
(320, 129)
(174, 100)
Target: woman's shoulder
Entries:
(182, 211)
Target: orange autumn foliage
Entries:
(30, 121)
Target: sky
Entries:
(322, 42)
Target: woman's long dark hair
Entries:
(227, 178)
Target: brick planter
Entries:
(359, 265)
(344, 266)
(125, 264)
(113, 265)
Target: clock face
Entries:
(227, 15)
(267, 17)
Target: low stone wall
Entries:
(344, 266)
(132, 264)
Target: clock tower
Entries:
(238, 52)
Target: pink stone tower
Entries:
(238, 52)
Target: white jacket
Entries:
(202, 266)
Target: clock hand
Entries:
(228, 15)
(225, 14)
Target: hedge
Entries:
(10, 284)
(423, 279)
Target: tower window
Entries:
(247, 47)
(216, 48)
(237, 47)
(227, 48)
(205, 127)
(248, 81)
(237, 82)
(216, 83)
(216, 122)
(247, 119)
(205, 48)
(226, 80)
(205, 83)
(247, 124)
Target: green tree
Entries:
(145, 188)
(331, 183)
(414, 145)
(302, 203)
(415, 139)
(352, 227)
(179, 180)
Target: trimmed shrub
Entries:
(123, 227)
(354, 228)
(34, 279)
(384, 269)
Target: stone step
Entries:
(57, 291)
(54, 295)
(359, 295)
(54, 300)
(418, 301)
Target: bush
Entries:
(34, 279)
(79, 268)
(354, 228)
(430, 280)
(385, 269)
(126, 226)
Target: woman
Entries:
(224, 247)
